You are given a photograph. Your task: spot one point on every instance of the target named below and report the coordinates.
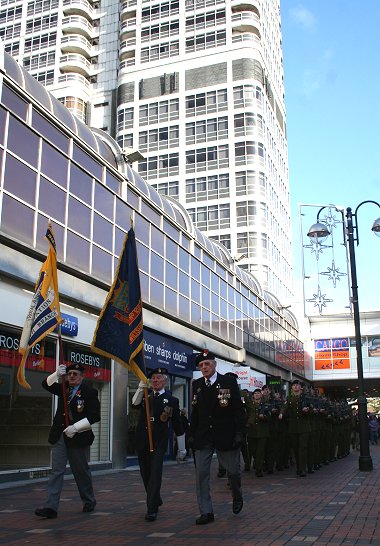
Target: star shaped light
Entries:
(319, 300)
(333, 273)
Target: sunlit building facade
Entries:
(197, 87)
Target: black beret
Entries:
(205, 355)
(162, 371)
(232, 374)
(296, 382)
(77, 367)
(264, 387)
(256, 390)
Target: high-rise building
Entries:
(196, 86)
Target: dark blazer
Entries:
(84, 404)
(217, 413)
(163, 409)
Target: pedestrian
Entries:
(217, 424)
(373, 426)
(71, 443)
(163, 409)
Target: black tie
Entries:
(208, 383)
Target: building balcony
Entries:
(126, 33)
(246, 21)
(246, 5)
(127, 49)
(75, 63)
(74, 43)
(74, 80)
(128, 12)
(79, 7)
(75, 24)
(124, 65)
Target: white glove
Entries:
(61, 370)
(79, 426)
(70, 431)
(53, 378)
(82, 425)
(138, 396)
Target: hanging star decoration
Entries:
(319, 300)
(334, 273)
(331, 221)
(316, 247)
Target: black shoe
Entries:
(221, 473)
(259, 474)
(88, 508)
(160, 502)
(46, 513)
(205, 518)
(302, 474)
(237, 505)
(151, 516)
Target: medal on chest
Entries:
(224, 396)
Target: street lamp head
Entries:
(319, 232)
(376, 227)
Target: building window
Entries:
(207, 187)
(206, 103)
(124, 119)
(206, 41)
(246, 212)
(206, 130)
(214, 157)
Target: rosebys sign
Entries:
(163, 351)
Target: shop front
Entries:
(26, 415)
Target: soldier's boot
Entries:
(237, 497)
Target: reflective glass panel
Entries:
(79, 217)
(12, 101)
(43, 126)
(103, 201)
(42, 243)
(157, 266)
(102, 232)
(171, 275)
(157, 240)
(123, 213)
(184, 308)
(52, 200)
(101, 264)
(77, 252)
(142, 257)
(54, 164)
(17, 220)
(20, 180)
(80, 184)
(171, 301)
(156, 293)
(22, 141)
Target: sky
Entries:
(331, 52)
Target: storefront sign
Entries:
(69, 326)
(160, 350)
(331, 354)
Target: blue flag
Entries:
(119, 332)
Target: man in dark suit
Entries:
(71, 442)
(217, 424)
(163, 408)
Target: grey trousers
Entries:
(230, 460)
(77, 458)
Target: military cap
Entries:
(204, 355)
(162, 371)
(77, 367)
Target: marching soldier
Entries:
(257, 430)
(296, 411)
(163, 408)
(217, 424)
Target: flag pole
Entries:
(148, 422)
(64, 394)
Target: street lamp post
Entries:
(319, 232)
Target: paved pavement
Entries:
(336, 505)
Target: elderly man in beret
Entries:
(163, 409)
(217, 425)
(71, 442)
